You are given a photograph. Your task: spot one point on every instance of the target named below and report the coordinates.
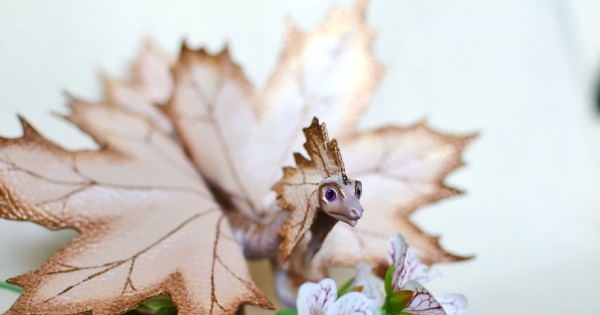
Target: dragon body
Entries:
(338, 200)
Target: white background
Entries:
(520, 72)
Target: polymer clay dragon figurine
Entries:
(332, 197)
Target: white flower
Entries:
(372, 286)
(408, 273)
(406, 265)
(453, 304)
(320, 299)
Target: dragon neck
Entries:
(319, 230)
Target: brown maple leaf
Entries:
(147, 223)
(212, 112)
(150, 86)
(401, 169)
(213, 98)
(329, 73)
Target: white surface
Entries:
(519, 72)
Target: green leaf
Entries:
(287, 311)
(160, 305)
(345, 287)
(398, 300)
(389, 274)
(10, 287)
(387, 282)
(157, 303)
(395, 301)
(167, 311)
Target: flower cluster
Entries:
(400, 293)
(323, 299)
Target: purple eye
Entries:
(330, 195)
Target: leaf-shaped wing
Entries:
(147, 224)
(297, 191)
(329, 72)
(212, 113)
(401, 169)
(151, 85)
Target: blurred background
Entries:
(522, 73)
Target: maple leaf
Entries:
(147, 223)
(211, 110)
(328, 73)
(151, 85)
(212, 98)
(401, 170)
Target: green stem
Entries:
(10, 287)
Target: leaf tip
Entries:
(28, 130)
(361, 7)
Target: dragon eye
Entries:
(330, 195)
(358, 191)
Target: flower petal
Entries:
(371, 284)
(316, 298)
(422, 303)
(351, 303)
(406, 265)
(397, 249)
(453, 304)
(415, 270)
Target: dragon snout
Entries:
(356, 213)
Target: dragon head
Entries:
(317, 192)
(340, 199)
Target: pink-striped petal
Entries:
(422, 303)
(453, 304)
(316, 298)
(353, 303)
